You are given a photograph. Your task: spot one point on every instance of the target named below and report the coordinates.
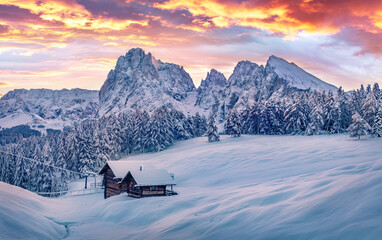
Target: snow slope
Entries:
(253, 187)
(23, 215)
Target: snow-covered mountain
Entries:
(139, 81)
(250, 82)
(45, 108)
(295, 76)
(211, 91)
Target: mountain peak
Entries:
(141, 81)
(296, 76)
(214, 77)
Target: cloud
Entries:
(46, 39)
(2, 84)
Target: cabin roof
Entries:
(151, 177)
(122, 167)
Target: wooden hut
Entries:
(137, 178)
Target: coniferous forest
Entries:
(87, 145)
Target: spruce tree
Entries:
(233, 126)
(212, 130)
(359, 126)
(370, 108)
(377, 125)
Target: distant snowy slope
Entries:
(23, 216)
(49, 108)
(296, 76)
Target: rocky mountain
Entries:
(250, 82)
(45, 108)
(294, 76)
(139, 81)
(211, 91)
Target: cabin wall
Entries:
(112, 187)
(148, 191)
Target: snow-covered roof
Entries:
(121, 168)
(152, 177)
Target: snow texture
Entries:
(252, 187)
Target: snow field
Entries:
(252, 187)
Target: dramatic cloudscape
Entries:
(74, 43)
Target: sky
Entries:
(74, 43)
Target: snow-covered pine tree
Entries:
(160, 134)
(233, 125)
(370, 108)
(250, 119)
(359, 126)
(345, 110)
(200, 124)
(377, 125)
(212, 130)
(377, 91)
(295, 117)
(23, 166)
(331, 114)
(86, 147)
(140, 121)
(179, 121)
(49, 181)
(316, 123)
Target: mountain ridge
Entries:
(140, 81)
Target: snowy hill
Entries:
(48, 108)
(23, 215)
(252, 187)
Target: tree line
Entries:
(358, 112)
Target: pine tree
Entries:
(200, 124)
(233, 126)
(296, 116)
(316, 123)
(377, 91)
(377, 125)
(345, 110)
(212, 130)
(359, 126)
(369, 108)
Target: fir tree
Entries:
(212, 130)
(233, 126)
(295, 116)
(369, 108)
(316, 123)
(377, 125)
(359, 126)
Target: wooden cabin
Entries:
(136, 178)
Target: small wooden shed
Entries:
(137, 178)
